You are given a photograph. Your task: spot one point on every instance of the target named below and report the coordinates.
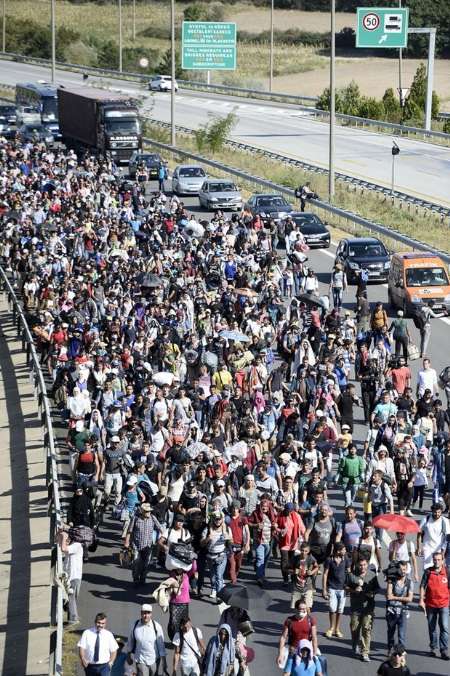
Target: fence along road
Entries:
(423, 169)
(31, 599)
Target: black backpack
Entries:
(419, 320)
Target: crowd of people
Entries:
(210, 413)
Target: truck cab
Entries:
(122, 132)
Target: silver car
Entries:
(219, 193)
(187, 179)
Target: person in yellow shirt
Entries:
(222, 377)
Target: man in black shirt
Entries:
(334, 573)
(395, 665)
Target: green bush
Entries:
(418, 94)
(392, 108)
(80, 53)
(371, 108)
(212, 135)
(446, 127)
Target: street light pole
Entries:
(271, 47)
(4, 28)
(53, 32)
(134, 20)
(172, 89)
(332, 102)
(120, 37)
(400, 90)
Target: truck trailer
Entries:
(103, 122)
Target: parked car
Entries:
(268, 205)
(364, 253)
(35, 133)
(313, 229)
(219, 193)
(188, 179)
(161, 83)
(152, 162)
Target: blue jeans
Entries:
(350, 494)
(262, 553)
(399, 622)
(217, 571)
(376, 511)
(438, 616)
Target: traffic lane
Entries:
(322, 260)
(421, 169)
(358, 153)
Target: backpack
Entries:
(291, 619)
(419, 320)
(133, 648)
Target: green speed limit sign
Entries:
(382, 27)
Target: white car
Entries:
(161, 83)
(187, 179)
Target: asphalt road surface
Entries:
(422, 169)
(107, 587)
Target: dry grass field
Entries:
(302, 70)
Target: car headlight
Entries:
(263, 214)
(113, 144)
(213, 199)
(416, 299)
(387, 265)
(353, 266)
(447, 299)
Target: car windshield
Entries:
(307, 220)
(148, 159)
(367, 250)
(426, 277)
(222, 187)
(192, 172)
(121, 126)
(274, 201)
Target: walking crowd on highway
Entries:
(209, 396)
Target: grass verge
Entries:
(423, 226)
(70, 651)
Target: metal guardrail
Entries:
(410, 200)
(318, 204)
(54, 505)
(227, 89)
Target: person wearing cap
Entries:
(113, 456)
(146, 644)
(140, 536)
(132, 498)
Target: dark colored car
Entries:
(36, 133)
(152, 162)
(6, 128)
(313, 229)
(269, 205)
(9, 111)
(364, 253)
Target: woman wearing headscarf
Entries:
(97, 428)
(303, 663)
(220, 653)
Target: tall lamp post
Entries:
(4, 28)
(53, 31)
(172, 89)
(332, 102)
(134, 21)
(120, 37)
(271, 47)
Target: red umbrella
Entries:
(396, 523)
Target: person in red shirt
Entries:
(434, 599)
(297, 627)
(238, 525)
(401, 376)
(290, 529)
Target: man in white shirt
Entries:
(432, 537)
(97, 648)
(427, 379)
(146, 644)
(73, 566)
(189, 649)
